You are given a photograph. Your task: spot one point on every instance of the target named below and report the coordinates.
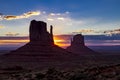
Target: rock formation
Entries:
(39, 34)
(41, 50)
(78, 40)
(51, 33)
(78, 45)
(41, 42)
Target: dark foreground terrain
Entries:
(108, 72)
(97, 67)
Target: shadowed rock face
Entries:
(78, 40)
(38, 33)
(41, 42)
(78, 45)
(41, 50)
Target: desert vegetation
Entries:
(110, 72)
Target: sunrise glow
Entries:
(59, 41)
(14, 41)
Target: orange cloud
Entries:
(11, 34)
(14, 41)
(25, 15)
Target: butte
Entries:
(78, 46)
(41, 51)
(41, 43)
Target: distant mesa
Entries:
(78, 46)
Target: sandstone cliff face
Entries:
(78, 46)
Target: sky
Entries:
(66, 16)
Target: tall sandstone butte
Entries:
(41, 42)
(41, 50)
(38, 33)
(78, 46)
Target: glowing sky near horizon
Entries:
(66, 16)
(62, 41)
(18, 42)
